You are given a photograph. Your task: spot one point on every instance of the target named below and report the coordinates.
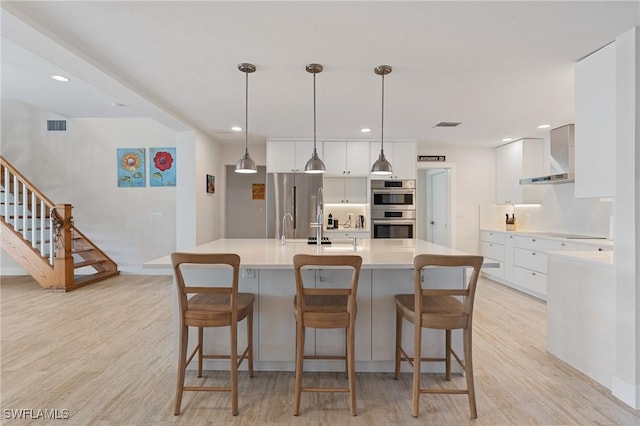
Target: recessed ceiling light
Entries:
(365, 130)
(507, 139)
(57, 77)
(118, 105)
(236, 129)
(544, 126)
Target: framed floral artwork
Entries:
(131, 171)
(211, 184)
(162, 167)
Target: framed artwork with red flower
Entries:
(131, 167)
(162, 167)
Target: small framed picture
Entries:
(211, 184)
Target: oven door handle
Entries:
(393, 192)
(393, 221)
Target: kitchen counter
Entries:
(267, 272)
(580, 239)
(270, 254)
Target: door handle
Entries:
(432, 223)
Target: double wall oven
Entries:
(393, 209)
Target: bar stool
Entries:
(326, 308)
(439, 309)
(220, 306)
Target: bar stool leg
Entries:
(200, 345)
(447, 362)
(250, 341)
(234, 368)
(351, 368)
(417, 355)
(182, 359)
(468, 364)
(398, 343)
(299, 363)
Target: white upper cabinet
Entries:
(345, 190)
(514, 161)
(595, 120)
(346, 158)
(401, 155)
(286, 156)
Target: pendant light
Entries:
(246, 164)
(315, 164)
(382, 165)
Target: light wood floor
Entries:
(104, 353)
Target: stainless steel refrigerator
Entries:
(293, 193)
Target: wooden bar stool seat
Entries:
(220, 306)
(326, 308)
(438, 309)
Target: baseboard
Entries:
(626, 392)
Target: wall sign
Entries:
(432, 158)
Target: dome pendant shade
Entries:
(315, 164)
(382, 166)
(246, 164)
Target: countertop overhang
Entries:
(270, 254)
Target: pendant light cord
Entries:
(246, 113)
(382, 120)
(314, 113)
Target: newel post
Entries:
(63, 261)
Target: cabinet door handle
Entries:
(490, 245)
(533, 273)
(533, 253)
(348, 172)
(600, 249)
(533, 240)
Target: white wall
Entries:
(79, 167)
(474, 185)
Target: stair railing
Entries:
(28, 211)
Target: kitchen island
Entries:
(267, 271)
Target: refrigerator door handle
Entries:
(295, 210)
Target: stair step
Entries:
(88, 263)
(82, 250)
(83, 280)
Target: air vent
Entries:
(56, 125)
(448, 124)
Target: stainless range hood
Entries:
(562, 145)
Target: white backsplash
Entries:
(342, 211)
(559, 211)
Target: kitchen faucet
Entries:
(283, 239)
(319, 223)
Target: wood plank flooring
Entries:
(104, 353)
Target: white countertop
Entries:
(270, 254)
(602, 258)
(554, 236)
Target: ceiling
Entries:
(501, 68)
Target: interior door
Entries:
(439, 203)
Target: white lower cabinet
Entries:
(532, 281)
(522, 258)
(276, 301)
(492, 248)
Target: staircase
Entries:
(41, 237)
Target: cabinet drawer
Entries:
(530, 259)
(535, 243)
(531, 280)
(492, 236)
(494, 272)
(492, 250)
(589, 247)
(567, 245)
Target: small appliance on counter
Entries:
(360, 222)
(510, 222)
